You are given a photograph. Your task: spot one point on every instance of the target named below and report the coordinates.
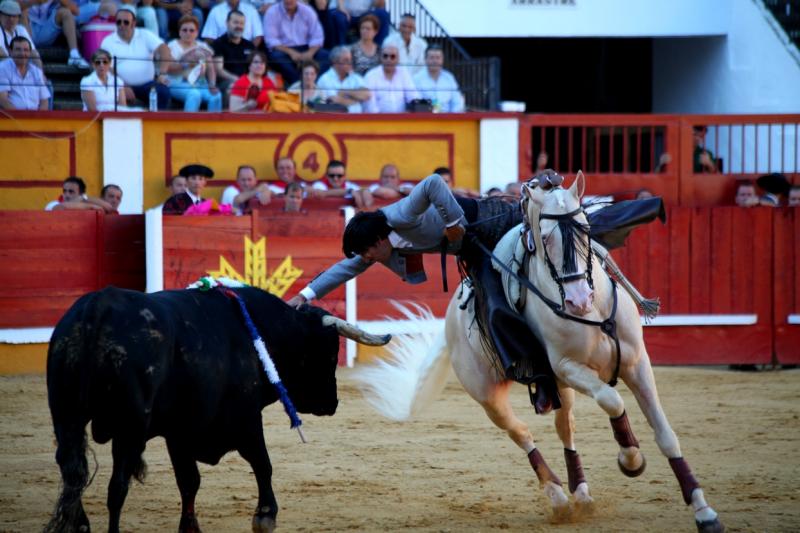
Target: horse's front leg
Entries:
(499, 411)
(565, 427)
(642, 384)
(583, 379)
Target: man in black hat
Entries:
(196, 176)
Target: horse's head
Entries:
(548, 207)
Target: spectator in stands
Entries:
(51, 18)
(261, 5)
(293, 199)
(494, 192)
(73, 197)
(287, 173)
(389, 186)
(10, 13)
(293, 34)
(437, 84)
(99, 87)
(794, 196)
(392, 88)
(746, 194)
(177, 185)
(196, 178)
(216, 25)
(306, 87)
(112, 195)
(171, 11)
(232, 51)
(411, 47)
(350, 13)
(251, 91)
(196, 81)
(663, 161)
(447, 176)
(22, 84)
(366, 51)
(246, 191)
(335, 185)
(146, 13)
(513, 191)
(541, 162)
(134, 50)
(340, 85)
(704, 161)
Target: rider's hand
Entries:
(297, 301)
(455, 233)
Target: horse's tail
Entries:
(69, 369)
(415, 372)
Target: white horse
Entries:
(583, 357)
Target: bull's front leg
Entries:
(254, 451)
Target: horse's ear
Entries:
(578, 186)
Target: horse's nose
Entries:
(580, 305)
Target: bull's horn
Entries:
(346, 329)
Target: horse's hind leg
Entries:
(583, 379)
(565, 427)
(498, 409)
(642, 384)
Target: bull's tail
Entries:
(415, 372)
(69, 369)
(69, 515)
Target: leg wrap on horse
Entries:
(543, 471)
(623, 433)
(685, 477)
(574, 469)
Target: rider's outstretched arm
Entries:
(329, 279)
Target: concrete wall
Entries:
(750, 71)
(580, 18)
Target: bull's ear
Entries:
(578, 186)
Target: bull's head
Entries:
(320, 342)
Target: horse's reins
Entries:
(607, 326)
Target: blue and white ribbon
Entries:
(206, 283)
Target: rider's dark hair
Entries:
(364, 230)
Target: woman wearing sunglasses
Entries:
(196, 81)
(99, 87)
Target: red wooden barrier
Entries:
(706, 263)
(786, 290)
(48, 260)
(620, 153)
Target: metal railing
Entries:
(478, 77)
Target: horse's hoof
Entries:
(710, 526)
(263, 523)
(189, 524)
(561, 514)
(632, 473)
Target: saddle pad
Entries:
(511, 251)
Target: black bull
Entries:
(179, 364)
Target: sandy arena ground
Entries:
(451, 470)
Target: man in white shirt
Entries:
(437, 84)
(340, 84)
(134, 50)
(412, 47)
(10, 14)
(245, 189)
(391, 87)
(389, 187)
(216, 26)
(22, 84)
(336, 185)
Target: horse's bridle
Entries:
(564, 220)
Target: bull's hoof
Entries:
(710, 526)
(263, 521)
(635, 472)
(189, 524)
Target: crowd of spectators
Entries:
(167, 54)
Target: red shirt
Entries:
(246, 90)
